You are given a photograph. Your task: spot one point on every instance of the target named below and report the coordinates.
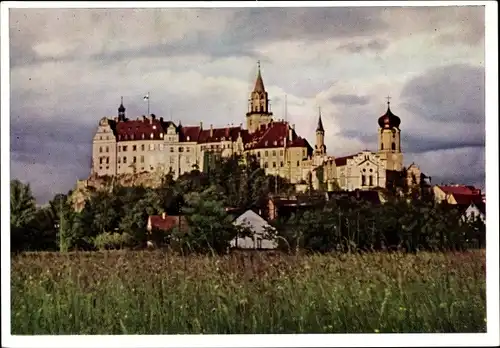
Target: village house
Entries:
(259, 230)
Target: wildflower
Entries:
(377, 331)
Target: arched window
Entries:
(371, 180)
(100, 149)
(363, 180)
(381, 146)
(393, 146)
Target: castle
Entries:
(151, 144)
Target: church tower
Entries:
(389, 139)
(320, 137)
(121, 111)
(258, 107)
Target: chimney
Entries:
(163, 215)
(227, 132)
(211, 131)
(161, 119)
(201, 125)
(241, 125)
(290, 134)
(293, 126)
(143, 118)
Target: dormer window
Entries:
(275, 143)
(187, 138)
(152, 135)
(154, 127)
(266, 143)
(142, 135)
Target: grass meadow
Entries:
(152, 292)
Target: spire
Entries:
(121, 108)
(320, 123)
(259, 83)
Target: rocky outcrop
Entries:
(86, 188)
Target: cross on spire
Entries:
(388, 100)
(258, 64)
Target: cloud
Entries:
(357, 47)
(349, 99)
(451, 93)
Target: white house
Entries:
(476, 210)
(258, 227)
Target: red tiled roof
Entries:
(217, 134)
(466, 199)
(274, 135)
(460, 189)
(190, 133)
(139, 129)
(167, 223)
(342, 161)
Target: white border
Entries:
(373, 340)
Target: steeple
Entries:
(320, 136)
(121, 111)
(320, 123)
(259, 83)
(259, 111)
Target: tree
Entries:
(210, 229)
(22, 214)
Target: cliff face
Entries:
(86, 188)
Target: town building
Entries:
(150, 144)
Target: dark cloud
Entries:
(52, 143)
(375, 45)
(451, 93)
(350, 99)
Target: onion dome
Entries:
(389, 120)
(121, 108)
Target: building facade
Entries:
(150, 144)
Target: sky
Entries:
(69, 68)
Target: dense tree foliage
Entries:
(117, 217)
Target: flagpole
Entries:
(148, 103)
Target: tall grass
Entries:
(156, 293)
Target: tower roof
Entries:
(259, 83)
(389, 120)
(121, 108)
(320, 123)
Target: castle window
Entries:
(161, 147)
(119, 160)
(298, 163)
(181, 149)
(371, 170)
(161, 135)
(142, 135)
(134, 147)
(281, 164)
(152, 135)
(142, 159)
(119, 148)
(275, 143)
(274, 164)
(125, 148)
(172, 160)
(107, 167)
(154, 127)
(100, 160)
(142, 147)
(363, 180)
(151, 147)
(100, 149)
(281, 152)
(394, 146)
(266, 153)
(266, 143)
(134, 159)
(381, 146)
(187, 149)
(371, 180)
(124, 159)
(258, 154)
(132, 136)
(171, 149)
(274, 152)
(107, 160)
(265, 164)
(304, 153)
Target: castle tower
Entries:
(258, 107)
(320, 137)
(121, 111)
(389, 139)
